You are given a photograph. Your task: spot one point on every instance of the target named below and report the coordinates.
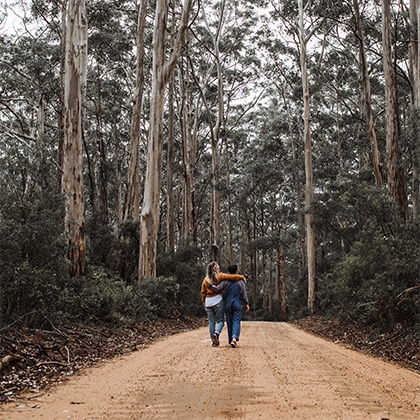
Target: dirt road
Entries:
(277, 372)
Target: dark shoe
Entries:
(215, 339)
(214, 345)
(233, 343)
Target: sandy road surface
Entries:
(277, 372)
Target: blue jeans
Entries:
(233, 319)
(216, 317)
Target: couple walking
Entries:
(224, 293)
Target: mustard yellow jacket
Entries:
(206, 290)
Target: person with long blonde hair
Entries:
(235, 300)
(213, 301)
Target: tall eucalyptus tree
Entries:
(367, 94)
(225, 35)
(72, 167)
(189, 126)
(415, 81)
(397, 187)
(162, 72)
(170, 206)
(309, 186)
(131, 208)
(218, 126)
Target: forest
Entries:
(140, 140)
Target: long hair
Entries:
(212, 272)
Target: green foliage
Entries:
(186, 266)
(32, 265)
(366, 257)
(163, 294)
(103, 297)
(344, 212)
(372, 283)
(36, 287)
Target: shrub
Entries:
(370, 284)
(187, 268)
(32, 264)
(103, 297)
(163, 295)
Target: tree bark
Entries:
(397, 188)
(281, 281)
(415, 81)
(189, 152)
(103, 183)
(229, 233)
(72, 174)
(170, 230)
(63, 41)
(219, 126)
(310, 232)
(296, 186)
(270, 284)
(162, 72)
(367, 96)
(131, 209)
(243, 220)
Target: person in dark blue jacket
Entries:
(235, 297)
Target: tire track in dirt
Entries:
(277, 372)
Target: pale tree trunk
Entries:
(162, 72)
(367, 95)
(72, 174)
(296, 186)
(243, 237)
(103, 188)
(102, 171)
(264, 282)
(193, 156)
(170, 225)
(215, 204)
(254, 254)
(214, 253)
(216, 129)
(40, 123)
(415, 77)
(397, 189)
(215, 194)
(37, 132)
(281, 281)
(170, 222)
(62, 83)
(200, 101)
(189, 154)
(337, 122)
(131, 209)
(119, 178)
(219, 128)
(280, 264)
(255, 275)
(229, 240)
(309, 217)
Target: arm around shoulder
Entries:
(231, 277)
